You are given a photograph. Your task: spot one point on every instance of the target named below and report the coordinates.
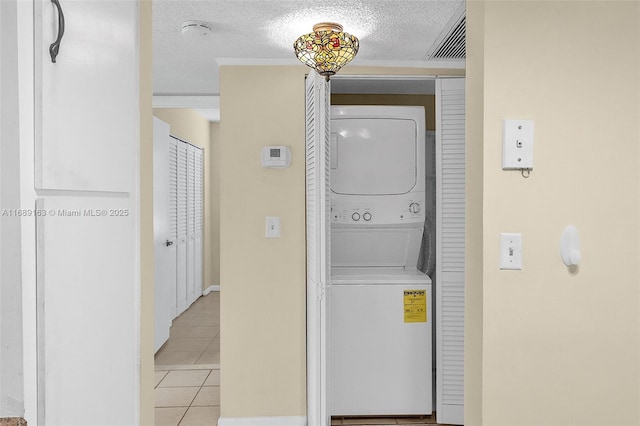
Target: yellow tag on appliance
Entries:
(415, 306)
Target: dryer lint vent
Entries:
(451, 44)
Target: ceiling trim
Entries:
(206, 105)
(436, 64)
(431, 64)
(186, 101)
(257, 61)
(393, 77)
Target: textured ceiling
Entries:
(390, 32)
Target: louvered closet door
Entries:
(318, 210)
(450, 258)
(181, 255)
(199, 168)
(191, 223)
(173, 225)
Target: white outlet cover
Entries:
(511, 251)
(272, 227)
(517, 144)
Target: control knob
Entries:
(367, 216)
(355, 216)
(414, 208)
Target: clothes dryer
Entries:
(380, 347)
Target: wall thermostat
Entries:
(276, 156)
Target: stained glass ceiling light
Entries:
(327, 48)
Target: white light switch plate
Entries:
(273, 227)
(510, 251)
(517, 144)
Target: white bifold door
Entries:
(183, 227)
(450, 257)
(178, 218)
(318, 263)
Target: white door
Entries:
(450, 256)
(172, 238)
(164, 283)
(318, 222)
(191, 223)
(181, 257)
(87, 248)
(199, 167)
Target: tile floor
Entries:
(187, 386)
(187, 397)
(195, 335)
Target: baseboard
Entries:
(263, 421)
(210, 289)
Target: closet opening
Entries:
(390, 144)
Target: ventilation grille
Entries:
(451, 44)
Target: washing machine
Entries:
(380, 357)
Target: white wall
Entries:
(11, 377)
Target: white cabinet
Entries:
(177, 226)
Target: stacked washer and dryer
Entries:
(381, 327)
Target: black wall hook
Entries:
(55, 46)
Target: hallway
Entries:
(187, 367)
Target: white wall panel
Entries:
(86, 138)
(78, 142)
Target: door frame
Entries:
(319, 385)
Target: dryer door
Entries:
(373, 156)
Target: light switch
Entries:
(510, 251)
(273, 227)
(517, 144)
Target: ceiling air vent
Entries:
(451, 43)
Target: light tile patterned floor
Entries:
(187, 397)
(195, 335)
(187, 383)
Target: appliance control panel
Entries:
(377, 210)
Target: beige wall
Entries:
(555, 347)
(188, 125)
(146, 217)
(474, 259)
(263, 280)
(214, 192)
